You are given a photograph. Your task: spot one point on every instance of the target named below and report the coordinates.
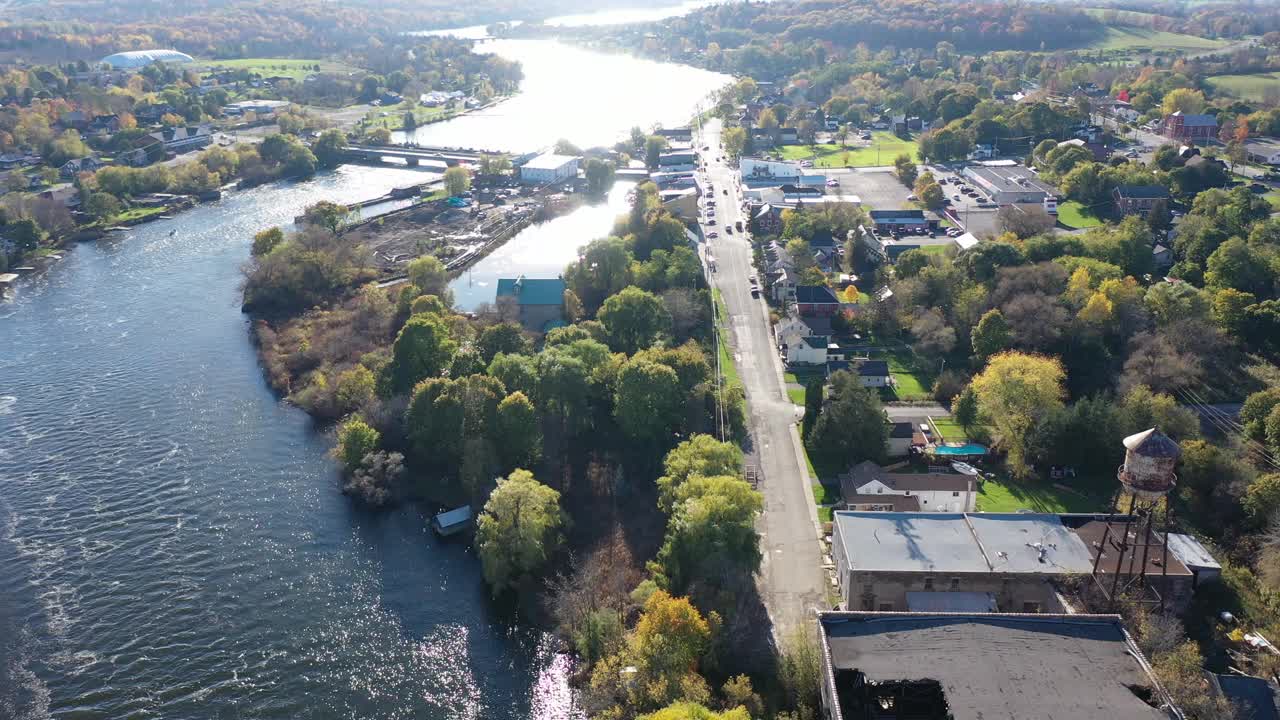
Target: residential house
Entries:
(76, 119)
(386, 98)
(1138, 199)
(880, 503)
(65, 194)
(875, 374)
(105, 124)
(183, 139)
(808, 350)
(539, 301)
(1190, 127)
(1265, 150)
(74, 167)
(816, 300)
(1161, 258)
(937, 492)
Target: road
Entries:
(791, 577)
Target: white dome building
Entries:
(135, 59)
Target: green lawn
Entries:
(1074, 215)
(934, 249)
(825, 495)
(137, 214)
(1249, 87)
(950, 430)
(1135, 38)
(912, 384)
(394, 115)
(1005, 495)
(295, 68)
(884, 147)
(796, 395)
(726, 358)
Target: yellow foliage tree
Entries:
(1014, 390)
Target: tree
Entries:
(355, 440)
(356, 388)
(738, 693)
(933, 196)
(852, 426)
(933, 336)
(373, 481)
(814, 390)
(519, 530)
(264, 241)
(648, 402)
(1012, 392)
(326, 214)
(734, 140)
(517, 428)
(694, 711)
(990, 336)
(102, 206)
(430, 276)
(699, 456)
(599, 175)
(329, 148)
(905, 168)
(1024, 220)
(423, 349)
(1184, 100)
(654, 145)
(633, 319)
(379, 136)
(507, 337)
(1256, 410)
(965, 408)
(457, 180)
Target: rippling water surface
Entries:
(172, 542)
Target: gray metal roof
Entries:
(912, 542)
(1191, 552)
(959, 542)
(997, 667)
(1010, 543)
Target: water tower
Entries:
(1134, 548)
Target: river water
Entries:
(172, 540)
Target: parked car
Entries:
(755, 292)
(713, 234)
(753, 280)
(833, 183)
(728, 229)
(912, 197)
(955, 197)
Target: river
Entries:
(172, 540)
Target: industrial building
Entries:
(550, 168)
(1012, 184)
(985, 666)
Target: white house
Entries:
(182, 139)
(550, 168)
(875, 374)
(798, 344)
(936, 492)
(1265, 150)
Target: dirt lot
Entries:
(435, 228)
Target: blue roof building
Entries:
(538, 302)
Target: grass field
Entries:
(726, 358)
(950, 430)
(1074, 215)
(796, 395)
(912, 384)
(1005, 495)
(1249, 87)
(1135, 38)
(391, 117)
(884, 147)
(296, 68)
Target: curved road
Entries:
(791, 578)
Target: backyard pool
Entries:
(966, 449)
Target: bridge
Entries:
(436, 158)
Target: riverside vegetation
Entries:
(610, 510)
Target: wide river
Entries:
(172, 540)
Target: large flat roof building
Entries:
(1017, 558)
(135, 59)
(1011, 184)
(983, 666)
(549, 168)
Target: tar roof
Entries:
(958, 542)
(815, 294)
(994, 666)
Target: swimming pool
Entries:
(966, 449)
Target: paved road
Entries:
(791, 579)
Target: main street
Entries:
(791, 579)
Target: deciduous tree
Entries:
(519, 530)
(1012, 392)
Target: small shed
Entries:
(452, 522)
(1196, 557)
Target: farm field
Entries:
(1248, 87)
(1135, 38)
(295, 68)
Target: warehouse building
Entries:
(138, 59)
(1012, 185)
(550, 168)
(984, 666)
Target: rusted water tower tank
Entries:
(1149, 459)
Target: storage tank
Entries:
(1149, 459)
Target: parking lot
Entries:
(880, 189)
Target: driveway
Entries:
(791, 580)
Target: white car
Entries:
(833, 183)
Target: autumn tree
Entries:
(699, 456)
(1012, 392)
(457, 180)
